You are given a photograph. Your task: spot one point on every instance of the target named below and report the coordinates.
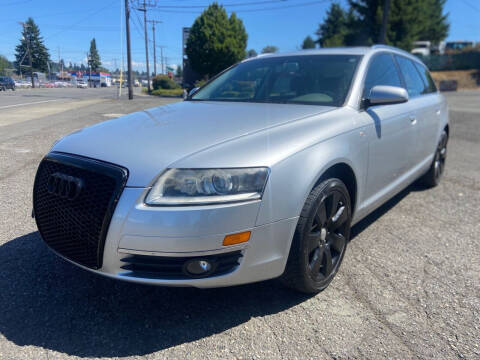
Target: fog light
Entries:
(198, 267)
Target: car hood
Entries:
(147, 142)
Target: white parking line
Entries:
(31, 103)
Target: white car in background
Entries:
(82, 84)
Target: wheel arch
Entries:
(345, 173)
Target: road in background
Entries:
(409, 286)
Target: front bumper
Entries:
(193, 232)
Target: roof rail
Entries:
(382, 46)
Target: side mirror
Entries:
(193, 91)
(386, 95)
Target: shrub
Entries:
(164, 82)
(168, 92)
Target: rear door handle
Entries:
(413, 119)
(438, 112)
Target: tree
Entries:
(269, 49)
(38, 51)
(215, 41)
(4, 65)
(94, 60)
(334, 29)
(408, 21)
(308, 43)
(179, 71)
(436, 26)
(251, 53)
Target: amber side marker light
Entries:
(234, 239)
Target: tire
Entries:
(320, 238)
(435, 172)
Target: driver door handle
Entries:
(413, 119)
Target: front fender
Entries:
(292, 179)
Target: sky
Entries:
(68, 26)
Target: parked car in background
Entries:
(82, 84)
(422, 48)
(6, 82)
(259, 174)
(23, 84)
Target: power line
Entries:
(96, 11)
(248, 10)
(224, 5)
(471, 5)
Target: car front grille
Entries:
(73, 202)
(166, 267)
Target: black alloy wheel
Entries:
(320, 239)
(440, 156)
(435, 172)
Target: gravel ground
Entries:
(409, 286)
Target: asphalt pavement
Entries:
(409, 286)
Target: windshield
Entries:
(303, 79)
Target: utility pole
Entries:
(129, 52)
(144, 9)
(383, 31)
(59, 62)
(161, 58)
(27, 40)
(154, 47)
(89, 70)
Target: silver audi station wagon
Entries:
(258, 174)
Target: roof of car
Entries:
(359, 50)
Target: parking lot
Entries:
(409, 286)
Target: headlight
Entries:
(207, 186)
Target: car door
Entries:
(424, 109)
(392, 141)
(434, 107)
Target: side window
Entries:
(413, 81)
(382, 71)
(427, 79)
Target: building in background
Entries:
(97, 79)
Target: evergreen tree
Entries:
(215, 41)
(94, 60)
(179, 71)
(4, 65)
(436, 24)
(308, 43)
(269, 49)
(38, 51)
(251, 53)
(333, 31)
(408, 21)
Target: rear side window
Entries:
(427, 79)
(382, 71)
(414, 83)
